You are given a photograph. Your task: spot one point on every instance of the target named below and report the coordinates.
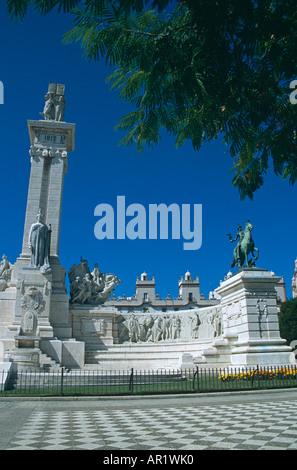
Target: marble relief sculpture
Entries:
(32, 304)
(137, 328)
(87, 287)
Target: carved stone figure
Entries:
(158, 329)
(59, 108)
(167, 327)
(244, 247)
(148, 325)
(5, 273)
(54, 107)
(39, 243)
(195, 326)
(216, 322)
(79, 271)
(133, 327)
(262, 310)
(110, 281)
(83, 294)
(175, 327)
(97, 276)
(4, 265)
(87, 287)
(49, 107)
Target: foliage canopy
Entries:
(288, 320)
(197, 69)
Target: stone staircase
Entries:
(142, 356)
(47, 364)
(218, 354)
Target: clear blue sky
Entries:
(32, 55)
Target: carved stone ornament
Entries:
(32, 303)
(262, 309)
(29, 323)
(32, 300)
(93, 326)
(160, 327)
(48, 152)
(87, 287)
(234, 314)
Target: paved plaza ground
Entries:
(180, 424)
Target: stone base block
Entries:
(69, 353)
(26, 358)
(22, 342)
(73, 354)
(187, 361)
(262, 353)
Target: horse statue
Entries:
(110, 281)
(244, 247)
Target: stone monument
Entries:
(250, 310)
(250, 319)
(239, 327)
(41, 300)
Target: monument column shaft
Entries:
(36, 197)
(45, 193)
(50, 143)
(54, 201)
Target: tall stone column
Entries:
(41, 296)
(50, 143)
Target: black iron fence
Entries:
(107, 383)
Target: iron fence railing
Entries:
(137, 382)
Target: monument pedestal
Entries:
(27, 358)
(32, 307)
(250, 312)
(96, 326)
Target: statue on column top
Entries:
(245, 246)
(54, 107)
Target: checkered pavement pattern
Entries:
(255, 426)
